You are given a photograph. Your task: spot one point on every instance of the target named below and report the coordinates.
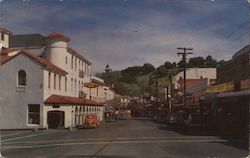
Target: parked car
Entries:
(177, 118)
(194, 120)
(91, 121)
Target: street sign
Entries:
(90, 85)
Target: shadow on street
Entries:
(239, 140)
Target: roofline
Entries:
(29, 47)
(240, 51)
(73, 52)
(30, 56)
(97, 81)
(6, 31)
(85, 102)
(57, 36)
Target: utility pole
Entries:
(184, 58)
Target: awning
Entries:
(67, 100)
(229, 86)
(234, 94)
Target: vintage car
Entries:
(91, 121)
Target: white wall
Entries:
(195, 73)
(5, 42)
(15, 104)
(57, 53)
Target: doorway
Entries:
(55, 119)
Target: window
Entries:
(49, 80)
(75, 63)
(71, 85)
(72, 62)
(85, 68)
(97, 91)
(34, 114)
(59, 83)
(55, 81)
(79, 86)
(66, 60)
(2, 36)
(79, 65)
(65, 83)
(56, 106)
(21, 78)
(75, 85)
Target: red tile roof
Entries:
(47, 64)
(59, 99)
(5, 30)
(5, 58)
(57, 35)
(7, 50)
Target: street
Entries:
(126, 138)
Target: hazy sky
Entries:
(125, 33)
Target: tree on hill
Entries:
(129, 74)
(210, 62)
(169, 65)
(147, 68)
(162, 71)
(196, 62)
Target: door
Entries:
(55, 119)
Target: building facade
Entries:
(43, 79)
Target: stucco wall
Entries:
(57, 54)
(5, 43)
(15, 104)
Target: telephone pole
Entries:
(184, 58)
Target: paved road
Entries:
(130, 138)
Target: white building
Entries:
(195, 74)
(41, 82)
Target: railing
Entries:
(81, 74)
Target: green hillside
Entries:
(138, 80)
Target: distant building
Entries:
(42, 82)
(193, 76)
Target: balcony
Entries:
(81, 74)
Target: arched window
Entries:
(21, 78)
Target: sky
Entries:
(125, 33)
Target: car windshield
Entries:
(124, 78)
